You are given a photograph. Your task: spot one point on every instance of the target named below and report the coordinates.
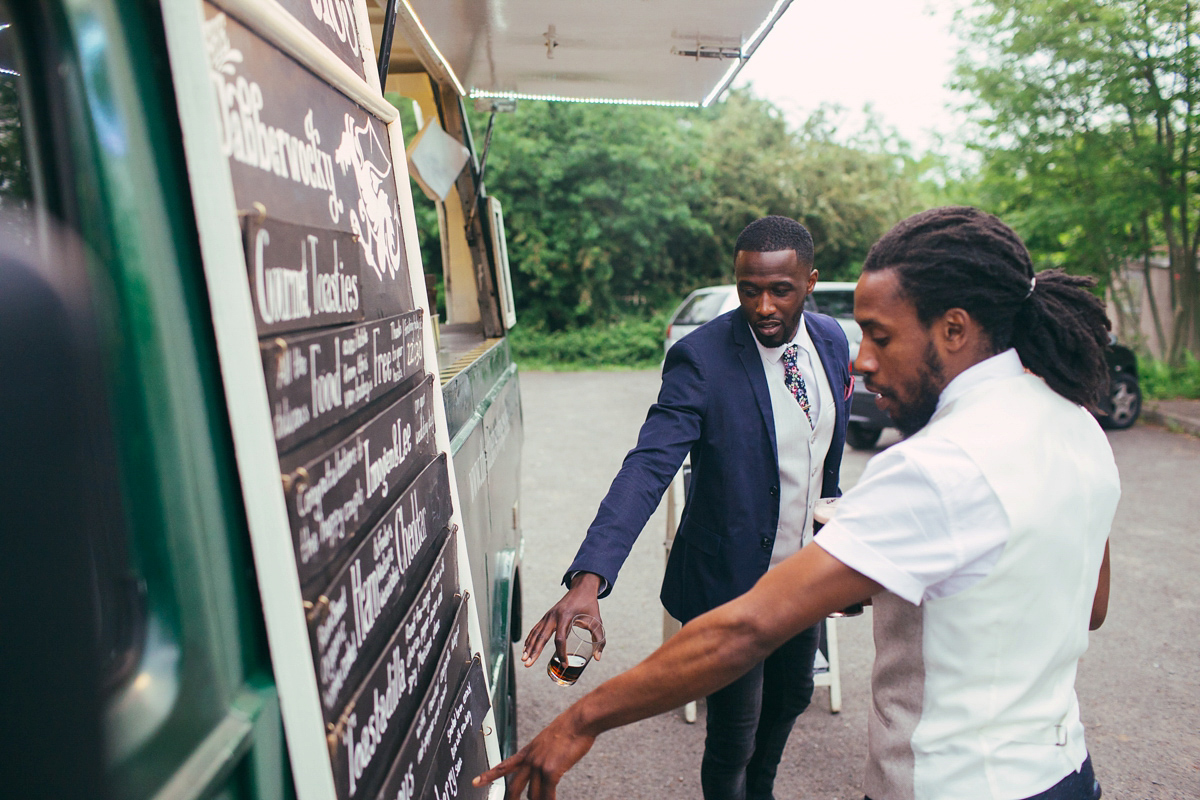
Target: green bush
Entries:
(1163, 382)
(632, 343)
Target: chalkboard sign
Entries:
(316, 380)
(330, 498)
(334, 23)
(358, 611)
(461, 753)
(301, 152)
(301, 277)
(397, 706)
(408, 772)
(377, 718)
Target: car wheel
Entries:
(1126, 402)
(862, 437)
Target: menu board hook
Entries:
(295, 479)
(257, 210)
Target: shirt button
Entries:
(774, 491)
(766, 543)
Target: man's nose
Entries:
(766, 306)
(866, 363)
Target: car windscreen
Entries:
(838, 304)
(700, 309)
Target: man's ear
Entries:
(812, 280)
(957, 330)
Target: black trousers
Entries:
(750, 719)
(1079, 785)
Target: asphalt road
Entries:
(1139, 684)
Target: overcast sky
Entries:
(896, 55)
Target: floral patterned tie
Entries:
(795, 381)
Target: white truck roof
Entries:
(659, 52)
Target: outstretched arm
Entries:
(710, 652)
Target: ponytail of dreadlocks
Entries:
(961, 257)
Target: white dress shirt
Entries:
(923, 522)
(801, 446)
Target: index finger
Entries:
(536, 640)
(505, 767)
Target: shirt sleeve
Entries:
(921, 515)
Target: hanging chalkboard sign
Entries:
(358, 611)
(334, 23)
(301, 277)
(461, 753)
(316, 380)
(302, 152)
(371, 589)
(333, 496)
(408, 771)
(375, 721)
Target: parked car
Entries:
(867, 421)
(1123, 405)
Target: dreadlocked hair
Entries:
(961, 257)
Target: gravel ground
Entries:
(1139, 684)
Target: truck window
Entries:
(116, 588)
(16, 190)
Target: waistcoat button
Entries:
(766, 543)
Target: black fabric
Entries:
(750, 719)
(1081, 785)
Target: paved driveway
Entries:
(1139, 684)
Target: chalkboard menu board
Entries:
(302, 153)
(460, 754)
(352, 401)
(334, 22)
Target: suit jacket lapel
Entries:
(752, 361)
(833, 370)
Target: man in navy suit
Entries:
(760, 398)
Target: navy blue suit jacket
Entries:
(714, 402)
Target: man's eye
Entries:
(879, 341)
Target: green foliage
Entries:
(603, 207)
(1162, 381)
(1089, 111)
(847, 190)
(616, 210)
(632, 343)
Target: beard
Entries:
(910, 417)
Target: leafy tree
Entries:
(614, 211)
(847, 190)
(603, 208)
(1089, 110)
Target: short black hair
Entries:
(774, 233)
(961, 257)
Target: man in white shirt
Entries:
(982, 538)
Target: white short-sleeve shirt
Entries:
(923, 522)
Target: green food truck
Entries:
(263, 509)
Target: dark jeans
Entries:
(1079, 785)
(750, 719)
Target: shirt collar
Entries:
(1003, 365)
(773, 354)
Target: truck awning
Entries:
(659, 52)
